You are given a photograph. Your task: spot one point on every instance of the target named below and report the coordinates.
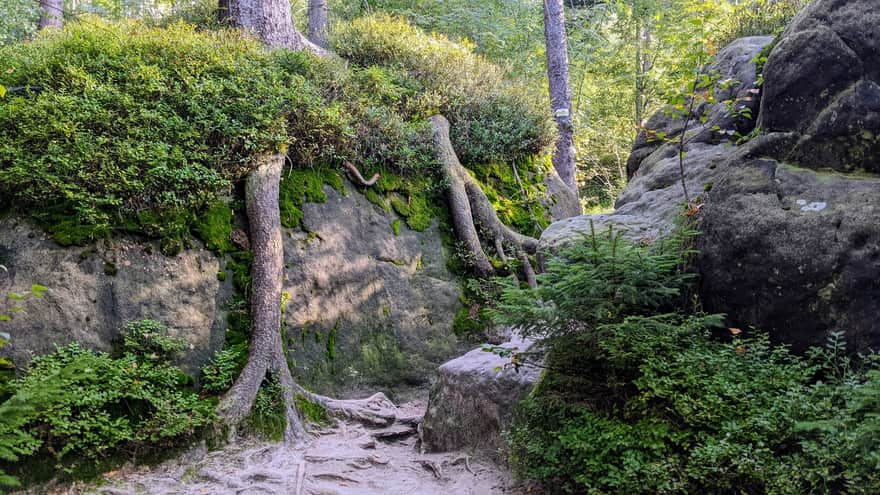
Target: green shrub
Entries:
(224, 367)
(492, 119)
(641, 397)
(121, 125)
(103, 403)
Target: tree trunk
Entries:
(51, 13)
(266, 352)
(319, 24)
(269, 20)
(560, 91)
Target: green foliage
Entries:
(598, 280)
(758, 18)
(492, 119)
(640, 397)
(267, 415)
(219, 373)
(102, 404)
(18, 20)
(121, 121)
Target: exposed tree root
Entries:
(471, 208)
(358, 178)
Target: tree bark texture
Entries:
(269, 20)
(51, 13)
(560, 91)
(470, 207)
(319, 22)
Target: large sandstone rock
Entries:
(821, 81)
(368, 308)
(793, 251)
(647, 208)
(84, 304)
(472, 400)
(790, 241)
(735, 90)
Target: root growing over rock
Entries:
(471, 208)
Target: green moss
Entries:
(526, 214)
(464, 326)
(221, 276)
(395, 226)
(68, 231)
(214, 227)
(420, 215)
(377, 198)
(300, 186)
(311, 411)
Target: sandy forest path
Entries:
(348, 459)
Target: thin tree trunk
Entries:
(266, 351)
(319, 24)
(223, 14)
(51, 13)
(560, 91)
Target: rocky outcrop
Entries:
(95, 290)
(821, 82)
(367, 308)
(790, 241)
(472, 399)
(735, 89)
(647, 208)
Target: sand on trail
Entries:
(348, 459)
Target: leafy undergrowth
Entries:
(81, 411)
(644, 395)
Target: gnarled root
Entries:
(376, 411)
(470, 207)
(358, 178)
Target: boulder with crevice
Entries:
(789, 241)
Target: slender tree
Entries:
(51, 13)
(319, 23)
(560, 91)
(270, 20)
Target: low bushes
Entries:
(79, 404)
(644, 396)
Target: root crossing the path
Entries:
(348, 459)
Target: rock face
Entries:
(86, 303)
(472, 400)
(821, 81)
(790, 241)
(368, 308)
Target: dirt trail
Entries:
(346, 460)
